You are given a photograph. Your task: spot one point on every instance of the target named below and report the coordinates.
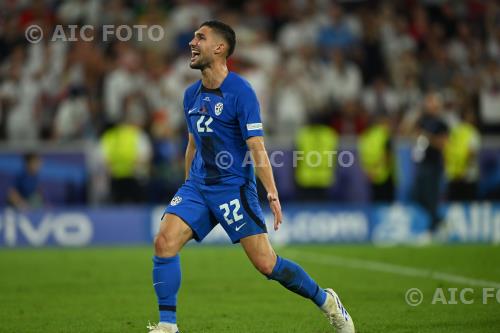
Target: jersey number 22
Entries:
(203, 125)
(236, 215)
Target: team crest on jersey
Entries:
(175, 200)
(218, 108)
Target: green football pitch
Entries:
(110, 290)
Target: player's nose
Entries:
(192, 42)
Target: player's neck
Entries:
(213, 76)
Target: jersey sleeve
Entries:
(248, 111)
(185, 103)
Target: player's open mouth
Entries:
(194, 55)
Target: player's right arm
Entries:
(191, 146)
(190, 150)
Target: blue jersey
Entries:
(221, 184)
(221, 120)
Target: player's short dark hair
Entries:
(225, 31)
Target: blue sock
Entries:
(294, 278)
(167, 281)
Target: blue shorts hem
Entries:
(257, 232)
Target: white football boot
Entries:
(162, 328)
(336, 313)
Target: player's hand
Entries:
(274, 203)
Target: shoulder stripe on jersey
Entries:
(254, 126)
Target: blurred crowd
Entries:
(343, 64)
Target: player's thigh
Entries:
(237, 209)
(259, 250)
(189, 205)
(174, 233)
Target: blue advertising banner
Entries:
(311, 223)
(476, 222)
(75, 227)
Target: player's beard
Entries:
(200, 64)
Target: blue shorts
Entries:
(235, 207)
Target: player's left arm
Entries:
(264, 171)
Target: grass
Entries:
(109, 290)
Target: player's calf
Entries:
(294, 278)
(173, 234)
(286, 272)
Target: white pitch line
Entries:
(378, 266)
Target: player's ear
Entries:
(220, 48)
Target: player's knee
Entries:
(265, 265)
(165, 246)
